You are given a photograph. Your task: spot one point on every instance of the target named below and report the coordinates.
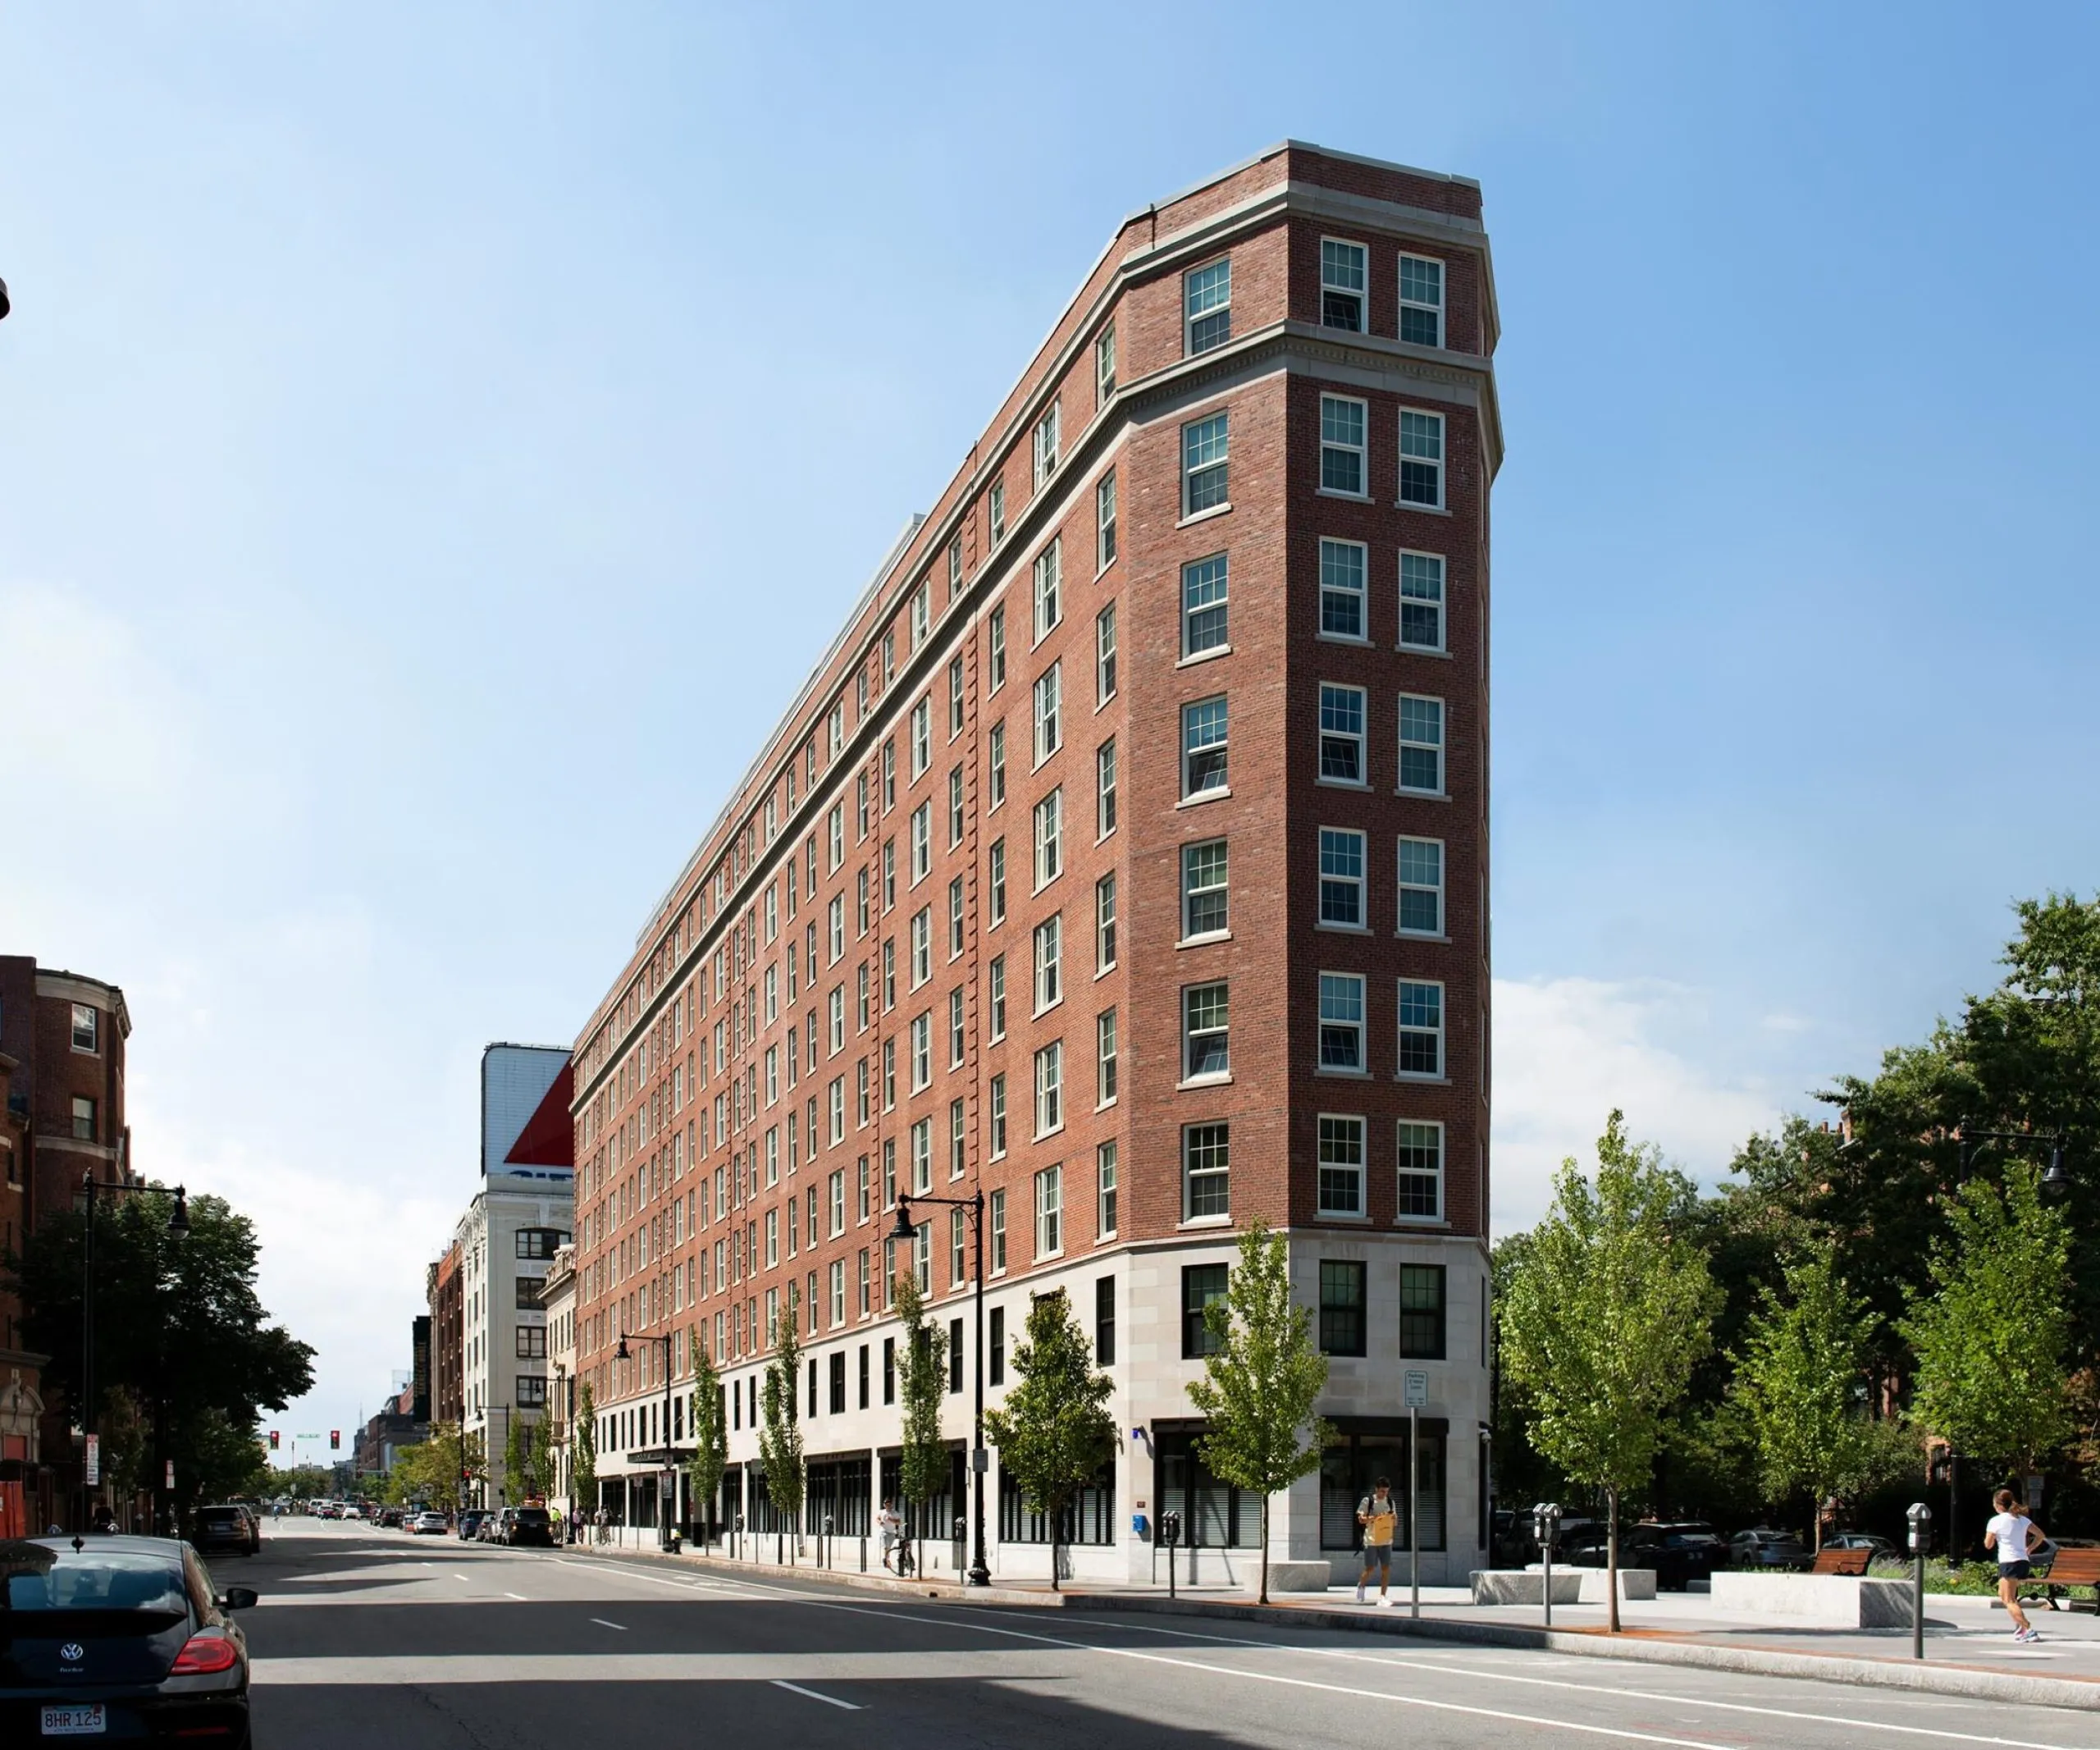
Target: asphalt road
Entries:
(373, 1637)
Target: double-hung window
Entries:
(1045, 445)
(1422, 886)
(1341, 1166)
(1049, 1212)
(1422, 301)
(995, 511)
(955, 917)
(1342, 590)
(1341, 877)
(1104, 771)
(1204, 589)
(922, 841)
(1421, 1029)
(1207, 306)
(838, 918)
(1104, 364)
(1341, 734)
(1344, 273)
(1341, 1307)
(1205, 889)
(1205, 451)
(955, 568)
(922, 1158)
(995, 755)
(1422, 459)
(1104, 924)
(1344, 466)
(995, 649)
(1420, 1159)
(1204, 734)
(922, 946)
(1341, 1021)
(1104, 1060)
(922, 1051)
(1049, 579)
(955, 698)
(1049, 959)
(1050, 838)
(1207, 1176)
(995, 884)
(995, 1118)
(1049, 717)
(1104, 655)
(995, 999)
(1050, 1089)
(958, 1146)
(955, 1039)
(1422, 601)
(1421, 744)
(922, 737)
(1206, 1030)
(955, 807)
(1422, 1312)
(921, 615)
(1104, 521)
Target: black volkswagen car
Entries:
(118, 1637)
(231, 1527)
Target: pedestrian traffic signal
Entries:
(273, 1440)
(335, 1440)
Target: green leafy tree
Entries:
(1259, 1386)
(780, 1433)
(923, 1468)
(583, 1462)
(178, 1324)
(1798, 1381)
(516, 1434)
(1055, 1432)
(1992, 1335)
(1602, 1317)
(710, 1439)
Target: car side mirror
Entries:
(237, 1598)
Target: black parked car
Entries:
(1779, 1551)
(122, 1638)
(1680, 1551)
(524, 1525)
(227, 1528)
(470, 1523)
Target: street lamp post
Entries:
(178, 1223)
(979, 1574)
(670, 1470)
(2055, 1177)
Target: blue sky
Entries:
(404, 408)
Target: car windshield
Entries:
(43, 1578)
(220, 1515)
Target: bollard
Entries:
(1921, 1517)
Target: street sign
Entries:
(94, 1461)
(1414, 1384)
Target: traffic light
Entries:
(273, 1440)
(335, 1440)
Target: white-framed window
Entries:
(837, 917)
(1344, 277)
(1341, 878)
(1104, 788)
(922, 615)
(954, 808)
(838, 1100)
(1207, 306)
(922, 841)
(922, 1158)
(1205, 905)
(1206, 446)
(1206, 1171)
(922, 1051)
(1344, 465)
(1422, 301)
(1050, 1088)
(922, 1257)
(835, 826)
(1205, 587)
(1422, 886)
(1049, 962)
(1420, 1028)
(1104, 363)
(1050, 838)
(1340, 1165)
(1342, 565)
(1341, 733)
(957, 1042)
(837, 1293)
(1421, 744)
(1049, 715)
(922, 946)
(955, 917)
(1050, 1212)
(995, 782)
(995, 511)
(1206, 1030)
(922, 737)
(995, 999)
(995, 883)
(1046, 445)
(1104, 1068)
(958, 1145)
(1341, 1021)
(955, 568)
(1204, 728)
(1420, 1159)
(955, 698)
(835, 732)
(1105, 1190)
(1104, 521)
(1422, 459)
(995, 1119)
(995, 649)
(1104, 924)
(1422, 601)
(1104, 655)
(1049, 580)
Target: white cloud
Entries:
(1568, 1050)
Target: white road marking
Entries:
(519, 1596)
(782, 1683)
(462, 1579)
(603, 1624)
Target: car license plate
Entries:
(75, 1722)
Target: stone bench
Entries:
(1525, 1585)
(1300, 1576)
(1830, 1601)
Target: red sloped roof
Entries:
(549, 1138)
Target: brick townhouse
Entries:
(1125, 857)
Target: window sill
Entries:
(1201, 656)
(1050, 1257)
(1421, 649)
(1055, 1129)
(1356, 1218)
(1104, 838)
(1421, 935)
(1102, 705)
(1189, 1082)
(1038, 1014)
(1344, 638)
(1101, 972)
(1204, 940)
(1204, 515)
(1423, 1223)
(1105, 1239)
(1422, 796)
(1201, 797)
(1341, 784)
(1343, 930)
(1350, 498)
(1206, 1221)
(1421, 1082)
(1336, 1072)
(1044, 886)
(1042, 759)
(1427, 510)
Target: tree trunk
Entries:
(1264, 1598)
(1611, 1557)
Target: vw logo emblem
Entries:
(72, 1652)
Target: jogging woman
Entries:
(2012, 1533)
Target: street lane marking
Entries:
(603, 1624)
(782, 1683)
(462, 1579)
(519, 1596)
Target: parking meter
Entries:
(1169, 1534)
(1921, 1517)
(1545, 1527)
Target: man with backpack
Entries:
(1379, 1516)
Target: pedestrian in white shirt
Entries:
(2012, 1535)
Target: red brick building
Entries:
(1126, 857)
(63, 1038)
(447, 1295)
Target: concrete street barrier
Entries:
(1525, 1586)
(1300, 1576)
(1830, 1601)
